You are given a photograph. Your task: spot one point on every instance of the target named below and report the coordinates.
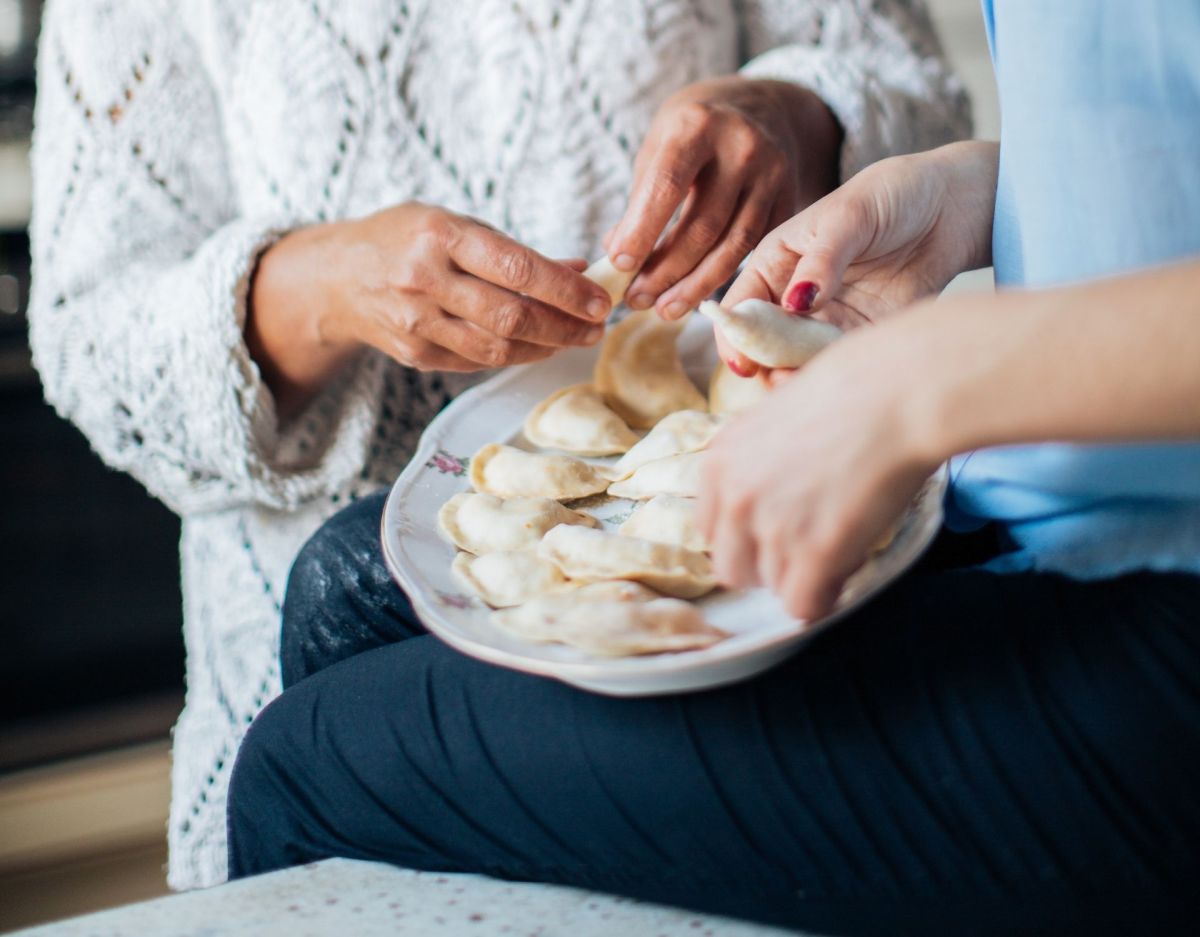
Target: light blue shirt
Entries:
(1099, 175)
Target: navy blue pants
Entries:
(971, 753)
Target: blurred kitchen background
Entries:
(91, 648)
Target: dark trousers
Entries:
(971, 753)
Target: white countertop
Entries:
(367, 899)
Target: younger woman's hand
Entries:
(797, 490)
(899, 230)
(736, 156)
(429, 288)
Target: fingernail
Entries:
(598, 308)
(593, 335)
(736, 367)
(624, 262)
(673, 310)
(800, 297)
(640, 301)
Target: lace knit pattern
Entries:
(175, 139)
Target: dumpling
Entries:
(769, 334)
(576, 419)
(675, 475)
(676, 433)
(595, 554)
(481, 523)
(613, 281)
(639, 371)
(728, 393)
(611, 628)
(666, 519)
(513, 473)
(504, 579)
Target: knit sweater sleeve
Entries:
(877, 64)
(141, 265)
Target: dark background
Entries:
(91, 644)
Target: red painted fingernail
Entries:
(800, 297)
(736, 367)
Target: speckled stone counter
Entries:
(365, 899)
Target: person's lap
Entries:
(966, 736)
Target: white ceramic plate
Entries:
(762, 632)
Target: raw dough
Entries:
(513, 473)
(576, 419)
(482, 523)
(769, 334)
(510, 578)
(639, 371)
(675, 475)
(666, 519)
(729, 393)
(592, 555)
(676, 433)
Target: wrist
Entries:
(969, 171)
(291, 317)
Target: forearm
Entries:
(1113, 360)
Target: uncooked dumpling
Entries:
(595, 554)
(639, 372)
(510, 578)
(729, 393)
(481, 523)
(613, 281)
(513, 473)
(576, 419)
(769, 334)
(675, 434)
(676, 475)
(611, 628)
(666, 519)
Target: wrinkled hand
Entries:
(797, 490)
(432, 289)
(440, 291)
(739, 155)
(898, 231)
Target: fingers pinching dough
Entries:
(576, 419)
(639, 372)
(509, 578)
(594, 555)
(613, 281)
(482, 523)
(507, 472)
(769, 334)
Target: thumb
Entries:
(838, 240)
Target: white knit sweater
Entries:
(176, 138)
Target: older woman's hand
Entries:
(738, 156)
(429, 288)
(899, 230)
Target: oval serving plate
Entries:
(762, 633)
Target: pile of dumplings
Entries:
(551, 573)
(638, 431)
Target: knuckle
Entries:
(517, 268)
(705, 230)
(498, 353)
(667, 182)
(509, 319)
(742, 240)
(693, 118)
